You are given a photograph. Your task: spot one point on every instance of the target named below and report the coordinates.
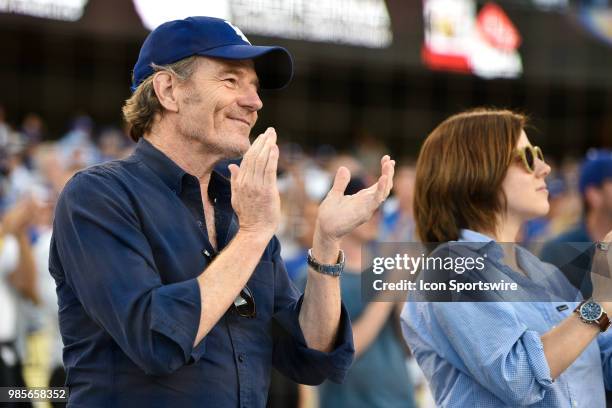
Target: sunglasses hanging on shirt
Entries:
(244, 304)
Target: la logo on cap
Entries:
(237, 30)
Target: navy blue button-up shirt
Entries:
(129, 241)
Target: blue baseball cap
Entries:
(595, 169)
(211, 37)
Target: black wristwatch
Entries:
(327, 269)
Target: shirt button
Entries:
(241, 357)
(200, 224)
(205, 253)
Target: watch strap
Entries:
(327, 269)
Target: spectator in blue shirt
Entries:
(572, 250)
(478, 179)
(379, 377)
(170, 285)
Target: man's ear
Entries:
(165, 86)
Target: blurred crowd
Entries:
(33, 171)
(34, 167)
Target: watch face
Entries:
(590, 311)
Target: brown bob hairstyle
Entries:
(460, 170)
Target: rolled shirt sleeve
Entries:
(490, 343)
(291, 355)
(109, 264)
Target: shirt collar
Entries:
(221, 187)
(473, 236)
(481, 243)
(167, 170)
(172, 175)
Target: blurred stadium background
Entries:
(344, 85)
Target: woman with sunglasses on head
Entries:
(478, 180)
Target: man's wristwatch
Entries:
(592, 312)
(333, 269)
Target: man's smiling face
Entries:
(218, 105)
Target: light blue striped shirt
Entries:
(490, 354)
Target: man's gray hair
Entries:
(141, 109)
